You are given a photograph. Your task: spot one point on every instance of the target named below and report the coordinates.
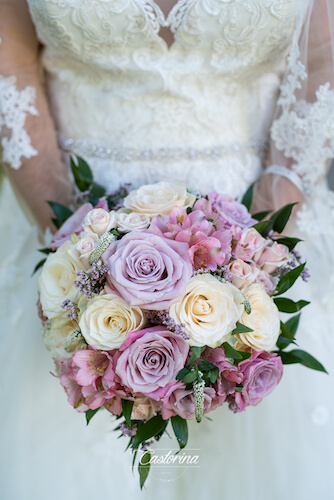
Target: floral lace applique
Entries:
(15, 105)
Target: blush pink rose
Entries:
(148, 270)
(240, 273)
(180, 401)
(272, 256)
(249, 244)
(150, 359)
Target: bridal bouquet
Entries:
(162, 304)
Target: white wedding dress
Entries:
(199, 112)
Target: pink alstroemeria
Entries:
(206, 252)
(95, 368)
(73, 390)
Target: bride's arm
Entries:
(43, 176)
(284, 181)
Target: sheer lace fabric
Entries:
(15, 105)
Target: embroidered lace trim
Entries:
(15, 105)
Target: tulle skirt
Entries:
(281, 449)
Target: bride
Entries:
(207, 92)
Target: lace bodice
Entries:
(114, 84)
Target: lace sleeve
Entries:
(302, 132)
(15, 105)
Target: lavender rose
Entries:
(261, 374)
(72, 225)
(180, 401)
(150, 360)
(148, 270)
(231, 211)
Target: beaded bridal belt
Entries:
(84, 147)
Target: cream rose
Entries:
(159, 198)
(209, 310)
(85, 246)
(55, 283)
(107, 320)
(54, 335)
(132, 222)
(144, 408)
(99, 221)
(263, 320)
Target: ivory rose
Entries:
(107, 320)
(209, 310)
(55, 283)
(99, 221)
(263, 320)
(85, 246)
(159, 198)
(54, 334)
(132, 222)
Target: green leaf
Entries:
(240, 328)
(289, 242)
(284, 342)
(144, 468)
(151, 428)
(280, 218)
(82, 173)
(180, 428)
(182, 373)
(196, 353)
(46, 251)
(236, 355)
(261, 215)
(292, 326)
(206, 366)
(61, 212)
(198, 350)
(213, 375)
(262, 226)
(302, 357)
(238, 388)
(97, 190)
(127, 410)
(248, 197)
(90, 414)
(38, 266)
(289, 306)
(190, 377)
(289, 279)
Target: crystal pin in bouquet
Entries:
(162, 304)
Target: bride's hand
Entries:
(271, 192)
(43, 177)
